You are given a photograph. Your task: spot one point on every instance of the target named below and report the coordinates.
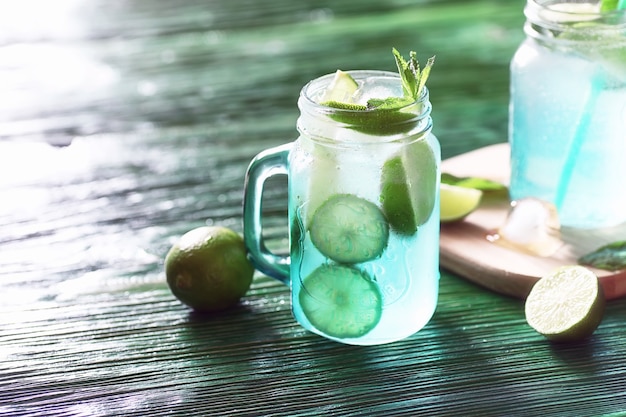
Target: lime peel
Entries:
(566, 305)
(345, 106)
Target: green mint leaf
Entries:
(424, 75)
(611, 257)
(482, 184)
(407, 73)
(413, 79)
(414, 67)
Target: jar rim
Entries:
(318, 84)
(372, 122)
(545, 14)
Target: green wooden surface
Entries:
(164, 104)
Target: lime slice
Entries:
(457, 202)
(566, 305)
(341, 301)
(340, 89)
(409, 188)
(377, 122)
(384, 121)
(349, 229)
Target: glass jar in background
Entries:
(567, 124)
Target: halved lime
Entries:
(457, 202)
(349, 229)
(341, 301)
(409, 187)
(566, 305)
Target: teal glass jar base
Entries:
(396, 322)
(375, 301)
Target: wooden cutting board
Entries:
(466, 251)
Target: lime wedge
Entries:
(341, 301)
(566, 305)
(457, 202)
(349, 229)
(408, 188)
(340, 89)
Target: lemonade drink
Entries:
(567, 126)
(364, 214)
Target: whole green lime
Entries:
(207, 269)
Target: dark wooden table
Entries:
(124, 124)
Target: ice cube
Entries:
(531, 226)
(378, 87)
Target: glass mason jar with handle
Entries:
(363, 197)
(567, 125)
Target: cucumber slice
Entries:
(341, 301)
(409, 188)
(349, 229)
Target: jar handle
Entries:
(271, 162)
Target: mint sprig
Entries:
(387, 116)
(413, 82)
